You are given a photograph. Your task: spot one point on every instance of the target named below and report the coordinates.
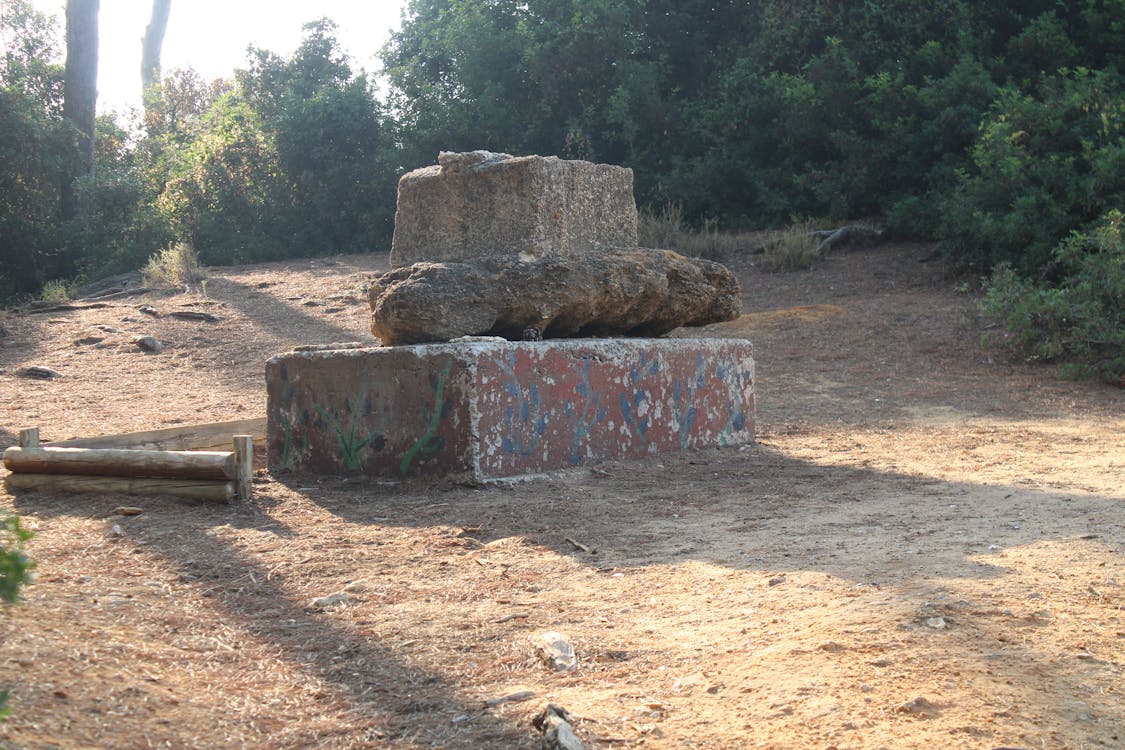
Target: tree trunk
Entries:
(80, 93)
(152, 43)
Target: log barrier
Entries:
(209, 475)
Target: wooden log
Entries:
(181, 438)
(199, 489)
(29, 438)
(114, 462)
(244, 464)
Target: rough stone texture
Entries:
(634, 293)
(480, 204)
(495, 409)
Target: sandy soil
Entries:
(924, 549)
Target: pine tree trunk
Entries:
(80, 94)
(152, 43)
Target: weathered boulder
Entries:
(634, 293)
(480, 204)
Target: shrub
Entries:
(175, 266)
(792, 249)
(1078, 321)
(55, 291)
(15, 571)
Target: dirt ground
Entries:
(924, 548)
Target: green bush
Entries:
(15, 567)
(1078, 321)
(15, 571)
(1045, 163)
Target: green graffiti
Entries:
(353, 442)
(295, 440)
(426, 443)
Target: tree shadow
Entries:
(760, 512)
(380, 694)
(276, 318)
(753, 511)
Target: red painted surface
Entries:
(501, 409)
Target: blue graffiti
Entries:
(526, 423)
(683, 399)
(634, 397)
(592, 412)
(737, 381)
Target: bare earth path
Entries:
(923, 550)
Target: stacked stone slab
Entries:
(493, 244)
(485, 205)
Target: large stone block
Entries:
(479, 204)
(494, 409)
(628, 293)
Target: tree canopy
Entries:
(998, 128)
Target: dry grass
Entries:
(666, 229)
(55, 291)
(174, 267)
(791, 249)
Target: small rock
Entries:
(937, 623)
(116, 531)
(127, 510)
(149, 344)
(920, 707)
(555, 650)
(324, 602)
(555, 723)
(149, 310)
(40, 372)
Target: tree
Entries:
(32, 140)
(80, 93)
(153, 42)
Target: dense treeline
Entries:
(998, 128)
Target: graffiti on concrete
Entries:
(349, 424)
(636, 399)
(591, 413)
(524, 416)
(429, 442)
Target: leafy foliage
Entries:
(15, 567)
(15, 571)
(995, 127)
(1081, 319)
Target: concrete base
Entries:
(496, 409)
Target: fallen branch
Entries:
(844, 235)
(63, 308)
(119, 294)
(194, 315)
(581, 546)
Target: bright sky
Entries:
(212, 35)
